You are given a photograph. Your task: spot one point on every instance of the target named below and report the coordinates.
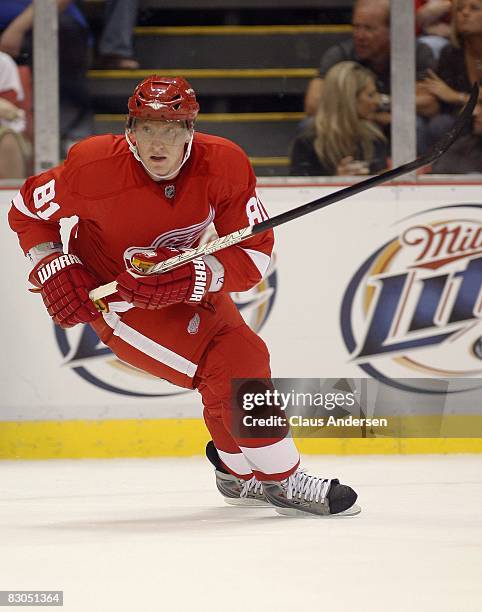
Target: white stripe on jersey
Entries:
(19, 204)
(260, 260)
(149, 347)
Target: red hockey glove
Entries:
(64, 285)
(189, 283)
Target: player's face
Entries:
(367, 101)
(371, 35)
(160, 144)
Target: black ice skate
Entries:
(236, 491)
(301, 494)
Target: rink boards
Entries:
(384, 285)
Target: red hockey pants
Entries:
(240, 353)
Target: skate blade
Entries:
(352, 511)
(237, 501)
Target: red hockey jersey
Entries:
(121, 210)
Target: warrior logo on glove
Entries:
(200, 280)
(189, 283)
(64, 284)
(57, 264)
(143, 262)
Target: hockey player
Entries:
(139, 199)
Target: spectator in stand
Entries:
(343, 139)
(433, 19)
(116, 46)
(16, 21)
(465, 155)
(459, 67)
(370, 46)
(15, 150)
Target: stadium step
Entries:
(209, 81)
(231, 47)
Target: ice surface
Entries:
(149, 535)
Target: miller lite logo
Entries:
(414, 307)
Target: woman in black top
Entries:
(342, 139)
(460, 65)
(465, 155)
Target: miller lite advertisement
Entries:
(385, 286)
(414, 304)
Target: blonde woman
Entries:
(343, 139)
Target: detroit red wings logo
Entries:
(183, 238)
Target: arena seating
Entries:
(249, 63)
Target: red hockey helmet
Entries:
(163, 98)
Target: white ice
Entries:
(150, 535)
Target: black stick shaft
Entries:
(243, 234)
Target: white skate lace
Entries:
(253, 485)
(310, 488)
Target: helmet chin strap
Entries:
(159, 177)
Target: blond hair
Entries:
(339, 129)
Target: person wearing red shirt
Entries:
(140, 199)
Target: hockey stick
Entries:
(238, 236)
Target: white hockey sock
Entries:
(276, 458)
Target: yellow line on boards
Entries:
(180, 438)
(241, 30)
(388, 446)
(270, 161)
(208, 73)
(102, 439)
